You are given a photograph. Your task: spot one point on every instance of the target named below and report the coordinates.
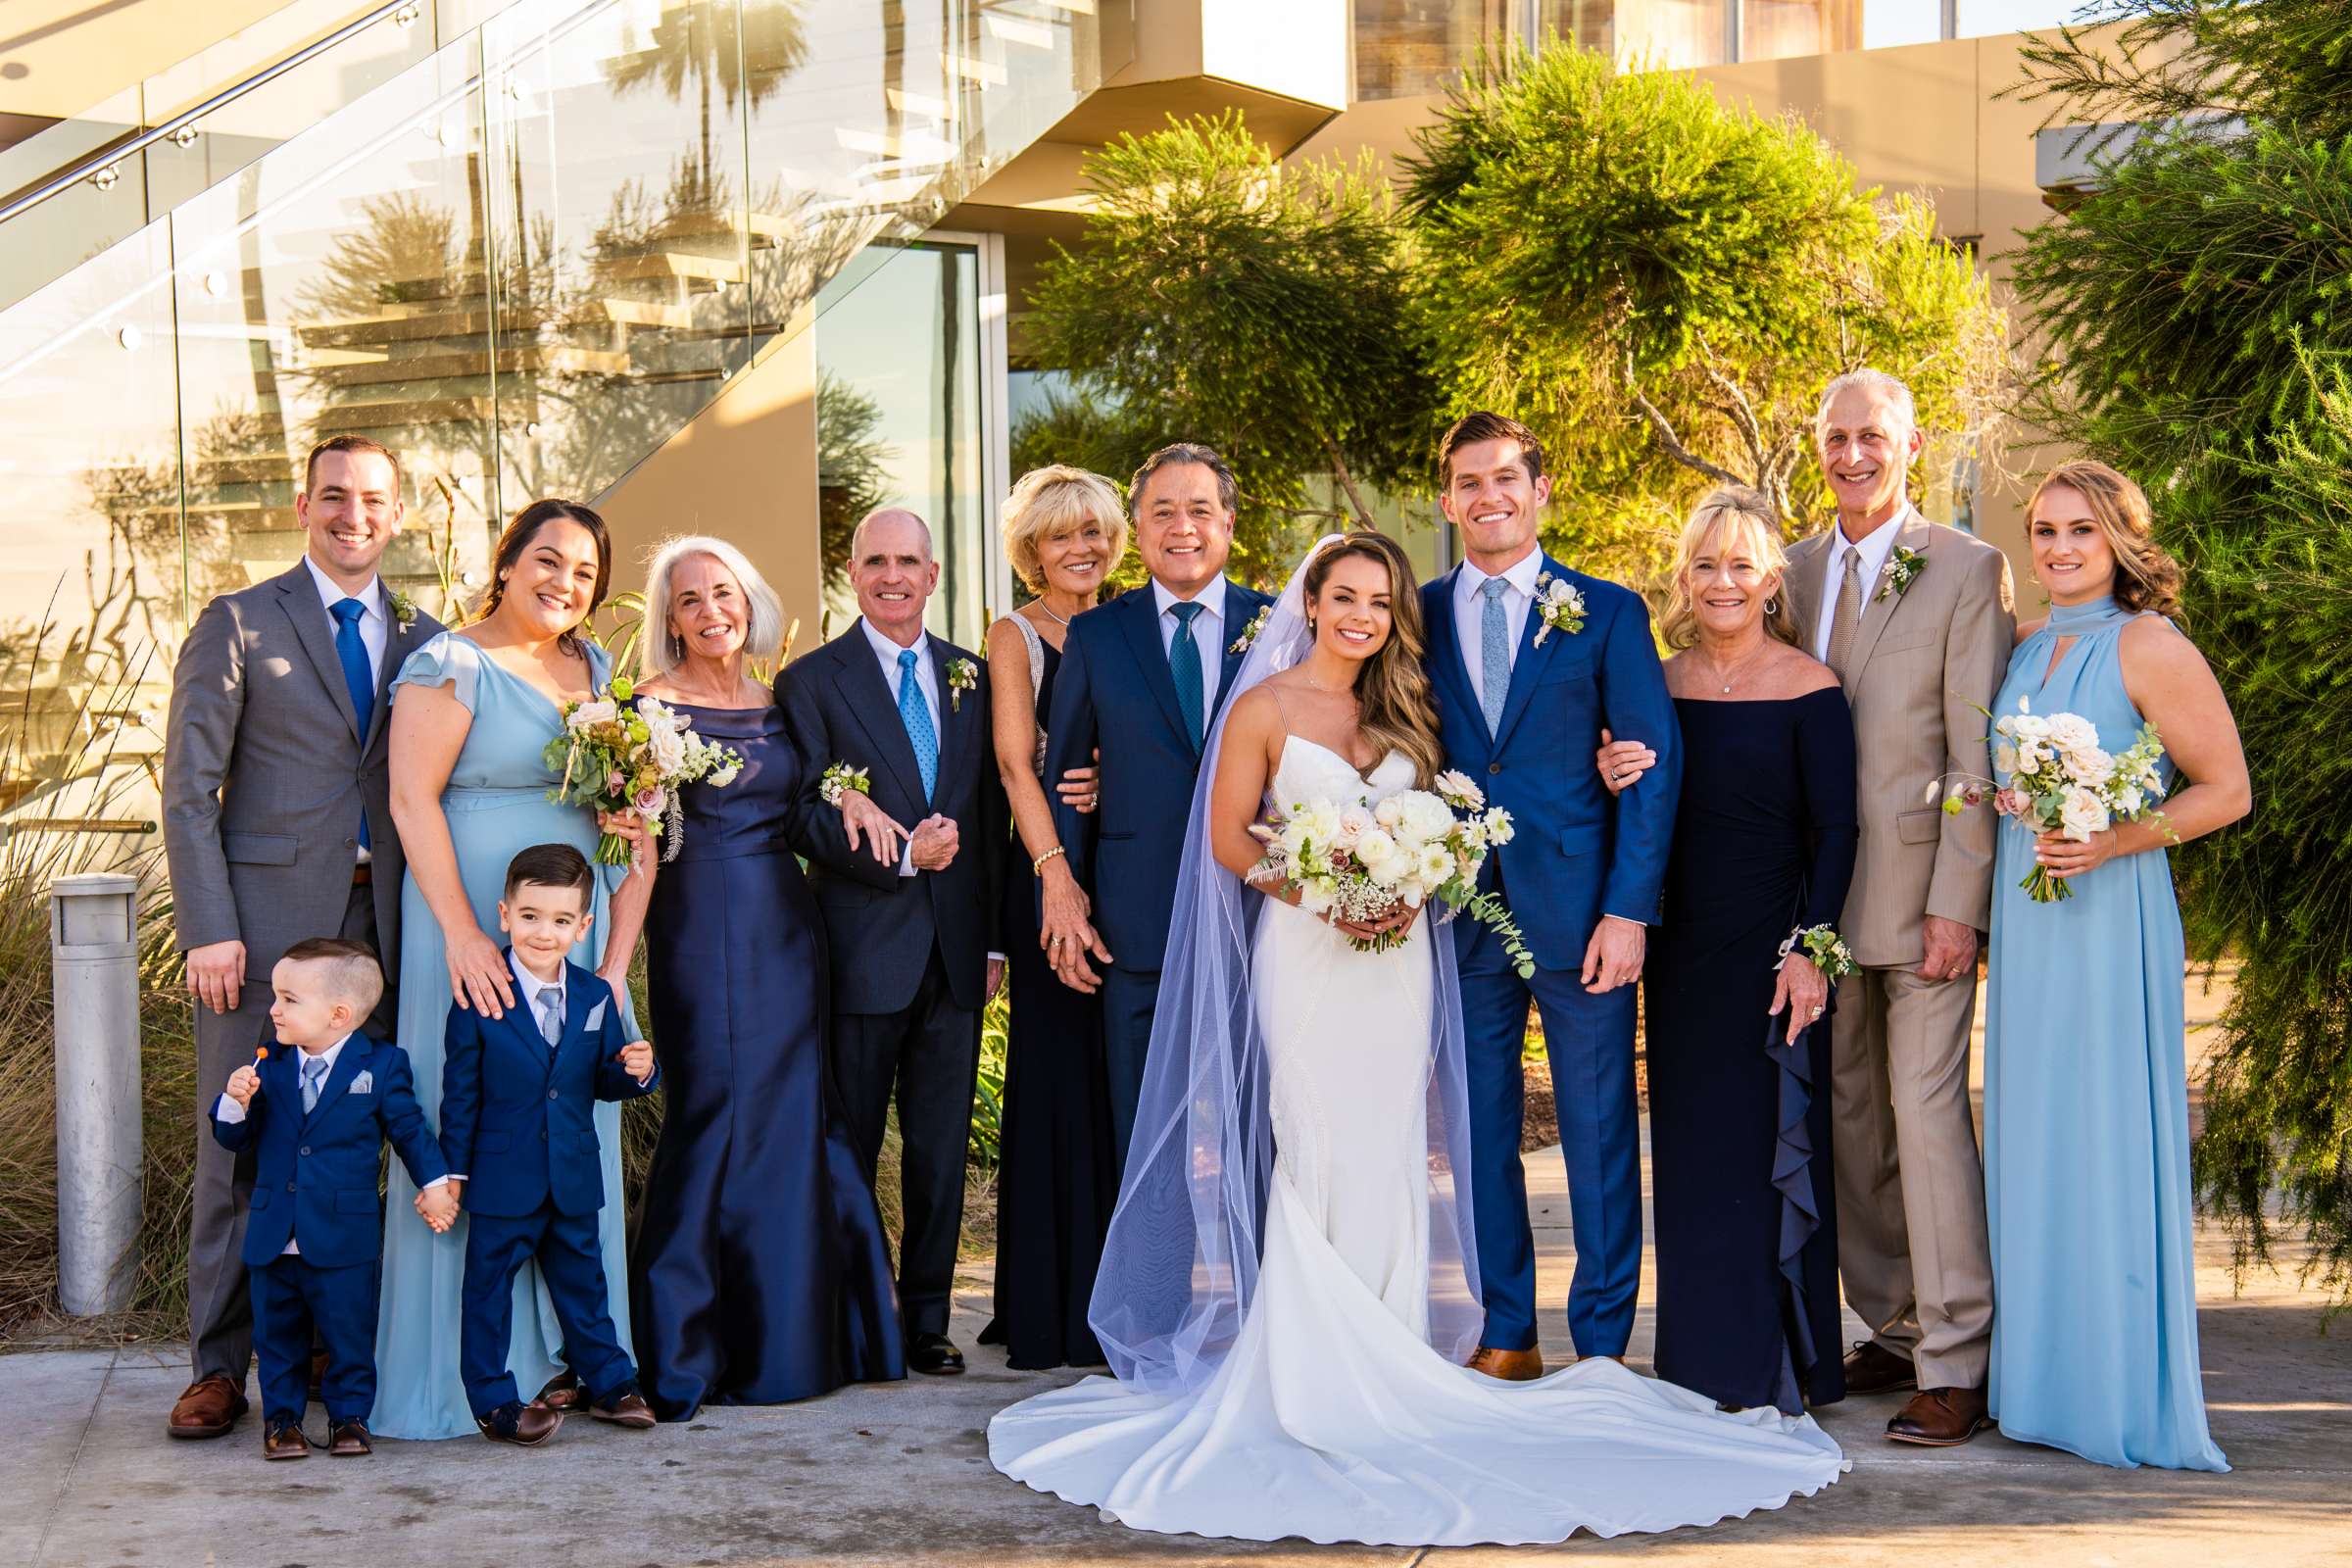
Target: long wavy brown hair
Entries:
(2146, 576)
(1394, 708)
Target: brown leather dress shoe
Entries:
(628, 1410)
(562, 1392)
(1941, 1418)
(1871, 1368)
(1513, 1366)
(206, 1409)
(527, 1425)
(347, 1440)
(283, 1439)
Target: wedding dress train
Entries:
(1330, 1416)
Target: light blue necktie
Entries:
(916, 715)
(352, 653)
(550, 1014)
(1184, 667)
(1494, 655)
(313, 1074)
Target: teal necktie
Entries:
(916, 715)
(1184, 667)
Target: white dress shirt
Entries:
(1875, 547)
(230, 1113)
(1208, 635)
(1470, 612)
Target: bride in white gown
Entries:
(1285, 1293)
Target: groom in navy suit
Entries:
(1531, 661)
(1141, 682)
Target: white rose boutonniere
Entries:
(962, 676)
(404, 608)
(1901, 567)
(1558, 608)
(1241, 644)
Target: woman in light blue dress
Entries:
(473, 712)
(2094, 1336)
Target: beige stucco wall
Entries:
(60, 57)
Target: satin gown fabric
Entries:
(497, 807)
(1056, 1178)
(1331, 1417)
(2094, 1331)
(1739, 1119)
(761, 1274)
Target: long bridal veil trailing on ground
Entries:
(1180, 1265)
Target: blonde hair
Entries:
(1395, 709)
(2146, 576)
(1050, 502)
(1730, 518)
(658, 650)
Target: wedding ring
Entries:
(1053, 942)
(1816, 1012)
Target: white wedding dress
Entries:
(1331, 1417)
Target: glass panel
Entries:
(1979, 19)
(1887, 23)
(46, 241)
(1407, 47)
(1665, 35)
(899, 419)
(337, 287)
(1779, 30)
(90, 573)
(617, 188)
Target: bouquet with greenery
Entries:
(612, 757)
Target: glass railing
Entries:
(522, 262)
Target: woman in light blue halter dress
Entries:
(2094, 1339)
(495, 805)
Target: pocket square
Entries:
(364, 1083)
(596, 1017)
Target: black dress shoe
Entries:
(1871, 1368)
(934, 1354)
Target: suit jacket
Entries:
(314, 1176)
(1113, 692)
(1578, 854)
(517, 1118)
(881, 927)
(1926, 663)
(265, 772)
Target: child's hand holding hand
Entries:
(439, 1207)
(637, 1057)
(243, 1085)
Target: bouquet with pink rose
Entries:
(616, 759)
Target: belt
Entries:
(361, 874)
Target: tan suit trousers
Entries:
(1911, 1242)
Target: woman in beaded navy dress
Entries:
(1738, 1040)
(760, 1271)
(2086, 1183)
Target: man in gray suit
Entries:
(277, 822)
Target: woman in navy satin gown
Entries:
(759, 1273)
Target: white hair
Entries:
(858, 534)
(659, 653)
(1890, 388)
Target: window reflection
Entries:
(1668, 34)
(1779, 30)
(1405, 48)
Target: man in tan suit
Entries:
(1916, 620)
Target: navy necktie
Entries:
(358, 679)
(1184, 667)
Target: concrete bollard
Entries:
(93, 951)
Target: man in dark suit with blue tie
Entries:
(1142, 680)
(1531, 661)
(911, 947)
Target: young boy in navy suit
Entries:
(517, 1097)
(318, 1116)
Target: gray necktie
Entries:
(550, 1014)
(1846, 618)
(1494, 655)
(313, 1074)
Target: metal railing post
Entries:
(93, 951)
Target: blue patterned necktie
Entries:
(1494, 655)
(550, 1014)
(358, 679)
(1184, 667)
(313, 1073)
(916, 715)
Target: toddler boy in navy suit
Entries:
(316, 1117)
(518, 1097)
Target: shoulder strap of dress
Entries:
(1037, 653)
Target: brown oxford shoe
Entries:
(562, 1392)
(625, 1410)
(1941, 1418)
(527, 1425)
(206, 1409)
(348, 1439)
(283, 1439)
(1871, 1368)
(1513, 1366)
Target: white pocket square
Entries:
(364, 1083)
(596, 1017)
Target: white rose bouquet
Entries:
(2060, 780)
(1360, 862)
(610, 759)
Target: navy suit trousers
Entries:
(1128, 1000)
(293, 1301)
(572, 1266)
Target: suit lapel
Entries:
(1139, 618)
(398, 645)
(1802, 585)
(575, 1020)
(1528, 668)
(347, 1067)
(1241, 609)
(874, 706)
(1446, 648)
(951, 705)
(1877, 609)
(298, 598)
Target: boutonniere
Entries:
(962, 676)
(1249, 636)
(1558, 608)
(1901, 567)
(841, 778)
(404, 608)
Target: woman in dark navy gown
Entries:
(1738, 1043)
(760, 1272)
(1056, 1181)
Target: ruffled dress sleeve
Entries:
(447, 661)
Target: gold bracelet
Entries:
(1036, 867)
